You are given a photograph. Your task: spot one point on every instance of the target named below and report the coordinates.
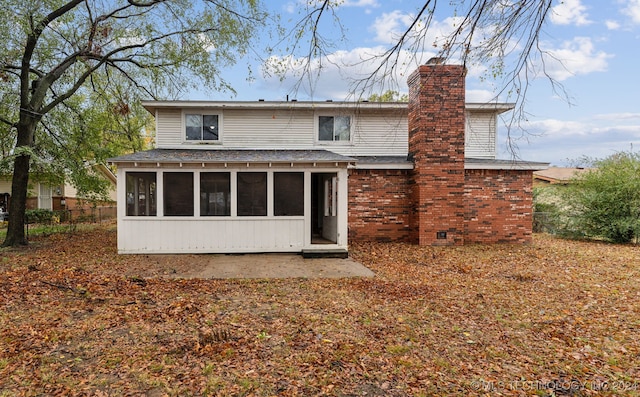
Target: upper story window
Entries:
(334, 128)
(202, 127)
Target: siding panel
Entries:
(168, 127)
(480, 137)
(163, 235)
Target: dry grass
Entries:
(553, 318)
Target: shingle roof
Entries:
(383, 159)
(559, 174)
(476, 163)
(230, 156)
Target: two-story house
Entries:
(303, 176)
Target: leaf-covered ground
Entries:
(555, 317)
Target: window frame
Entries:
(262, 196)
(316, 129)
(169, 209)
(152, 204)
(228, 195)
(201, 113)
(278, 194)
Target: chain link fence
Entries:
(545, 222)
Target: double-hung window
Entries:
(334, 128)
(203, 127)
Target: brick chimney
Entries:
(436, 146)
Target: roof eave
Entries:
(512, 166)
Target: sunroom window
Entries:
(252, 194)
(141, 193)
(334, 128)
(288, 194)
(215, 188)
(178, 193)
(202, 127)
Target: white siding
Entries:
(373, 133)
(377, 134)
(268, 129)
(168, 127)
(480, 135)
(209, 235)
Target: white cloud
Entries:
(612, 25)
(617, 116)
(575, 57)
(569, 12)
(390, 26)
(292, 7)
(479, 96)
(559, 141)
(633, 10)
(361, 3)
(342, 74)
(559, 128)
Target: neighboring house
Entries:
(54, 197)
(306, 176)
(556, 175)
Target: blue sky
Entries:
(596, 40)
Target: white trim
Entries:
(516, 166)
(153, 106)
(196, 194)
(316, 128)
(382, 166)
(499, 107)
(159, 193)
(201, 112)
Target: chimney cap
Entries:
(436, 61)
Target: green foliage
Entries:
(389, 96)
(605, 202)
(41, 215)
(73, 72)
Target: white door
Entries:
(44, 197)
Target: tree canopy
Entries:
(389, 96)
(71, 71)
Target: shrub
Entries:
(40, 216)
(606, 201)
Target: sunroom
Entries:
(232, 201)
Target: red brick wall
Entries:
(436, 145)
(379, 205)
(473, 206)
(499, 206)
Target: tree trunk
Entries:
(19, 186)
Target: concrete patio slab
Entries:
(215, 266)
